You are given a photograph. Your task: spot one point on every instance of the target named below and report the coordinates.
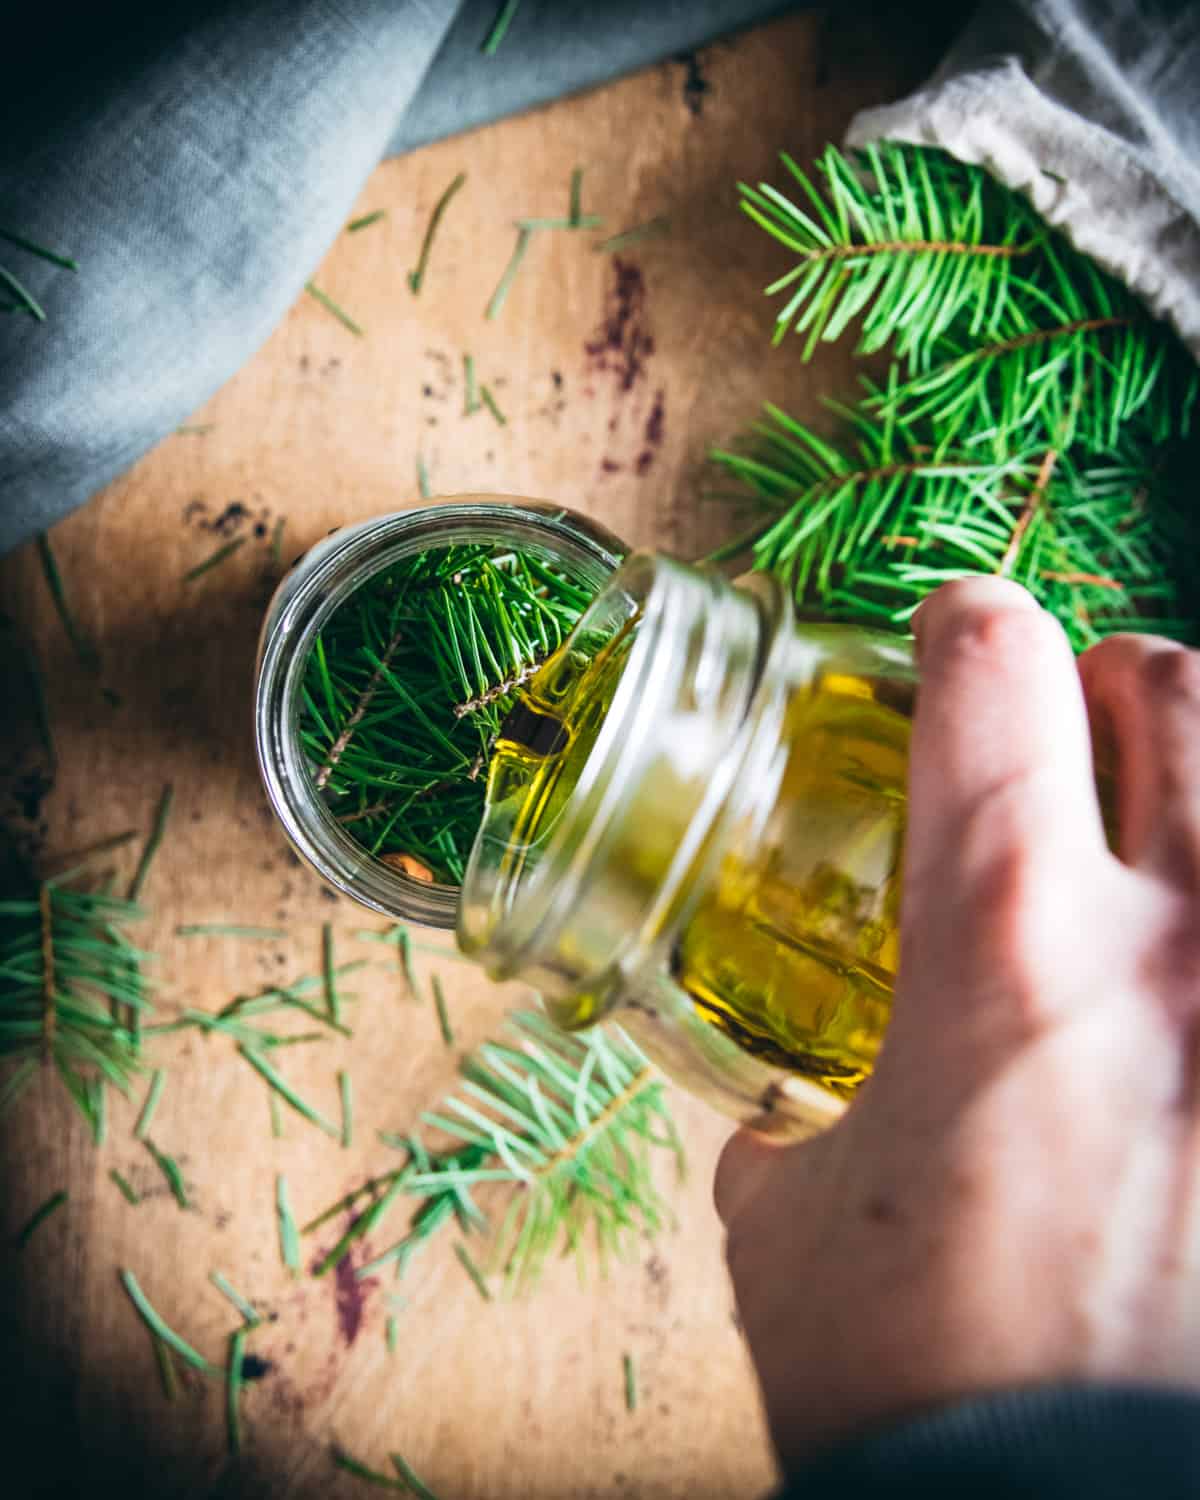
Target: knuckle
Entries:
(1004, 639)
(1173, 672)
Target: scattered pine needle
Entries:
(215, 560)
(166, 1366)
(490, 402)
(168, 1335)
(83, 646)
(504, 285)
(651, 229)
(162, 814)
(233, 1391)
(126, 1187)
(289, 1235)
(372, 1476)
(196, 429)
(153, 1095)
(277, 542)
(575, 198)
(416, 278)
(393, 1334)
(243, 1304)
(443, 1015)
(415, 1483)
(230, 929)
(329, 972)
(330, 305)
(39, 1217)
(423, 486)
(276, 1115)
(347, 1110)
(170, 1169)
(288, 1094)
(631, 1390)
(366, 221)
(52, 256)
(585, 221)
(500, 27)
(471, 394)
(473, 1271)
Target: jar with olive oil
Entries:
(694, 826)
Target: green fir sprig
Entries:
(1031, 421)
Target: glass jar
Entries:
(695, 824)
(317, 585)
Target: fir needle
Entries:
(473, 1271)
(585, 221)
(286, 1092)
(393, 1334)
(415, 1483)
(651, 229)
(162, 814)
(230, 929)
(194, 429)
(490, 402)
(289, 1235)
(424, 488)
(55, 259)
(372, 1476)
(575, 198)
(330, 305)
(503, 287)
(24, 296)
(631, 1390)
(84, 649)
(416, 277)
(276, 1114)
(233, 1391)
(168, 1335)
(470, 393)
(41, 708)
(499, 29)
(153, 1095)
(332, 998)
(214, 560)
(347, 1098)
(243, 1304)
(126, 1188)
(443, 1015)
(366, 221)
(16, 1085)
(277, 542)
(39, 1217)
(170, 1169)
(166, 1366)
(404, 942)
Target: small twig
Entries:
(366, 812)
(416, 277)
(364, 702)
(330, 305)
(1095, 580)
(1028, 511)
(509, 685)
(215, 560)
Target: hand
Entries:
(1014, 1197)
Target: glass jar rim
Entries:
(316, 586)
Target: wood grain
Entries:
(500, 1400)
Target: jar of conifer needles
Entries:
(386, 654)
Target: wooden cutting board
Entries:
(493, 1400)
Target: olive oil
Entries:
(788, 944)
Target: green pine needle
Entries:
(331, 306)
(153, 1095)
(162, 815)
(285, 1091)
(443, 1013)
(499, 27)
(125, 1186)
(416, 278)
(39, 1217)
(170, 1169)
(40, 251)
(489, 401)
(233, 1390)
(243, 1304)
(366, 221)
(411, 1478)
(347, 1097)
(81, 642)
(500, 296)
(289, 1235)
(631, 1388)
(214, 560)
(473, 1271)
(361, 1471)
(161, 1330)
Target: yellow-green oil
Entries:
(791, 948)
